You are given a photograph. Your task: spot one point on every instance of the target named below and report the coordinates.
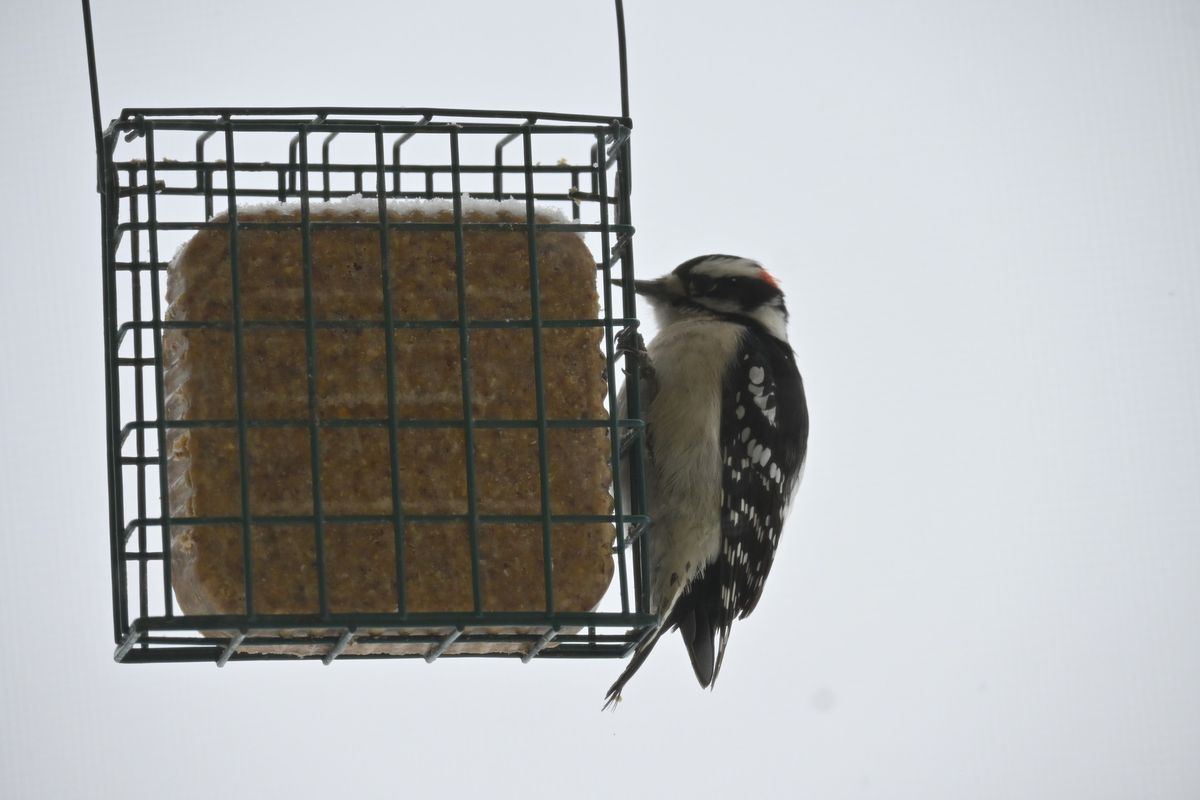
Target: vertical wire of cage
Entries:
(166, 175)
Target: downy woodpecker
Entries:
(726, 436)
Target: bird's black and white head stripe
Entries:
(728, 283)
(719, 285)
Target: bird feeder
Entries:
(361, 382)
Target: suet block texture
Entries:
(350, 389)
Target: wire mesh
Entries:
(166, 174)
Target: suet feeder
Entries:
(361, 382)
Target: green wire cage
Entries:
(166, 175)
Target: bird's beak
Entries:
(653, 290)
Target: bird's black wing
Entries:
(763, 445)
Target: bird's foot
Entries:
(635, 534)
(629, 343)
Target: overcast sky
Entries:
(987, 220)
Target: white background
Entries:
(987, 218)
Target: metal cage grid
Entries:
(162, 175)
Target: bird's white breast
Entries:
(689, 358)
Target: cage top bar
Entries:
(135, 112)
(370, 114)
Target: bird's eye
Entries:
(701, 284)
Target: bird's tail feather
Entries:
(723, 631)
(639, 656)
(696, 627)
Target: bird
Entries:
(726, 433)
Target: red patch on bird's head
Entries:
(769, 278)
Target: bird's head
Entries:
(721, 286)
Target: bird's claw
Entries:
(629, 343)
(626, 441)
(635, 533)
